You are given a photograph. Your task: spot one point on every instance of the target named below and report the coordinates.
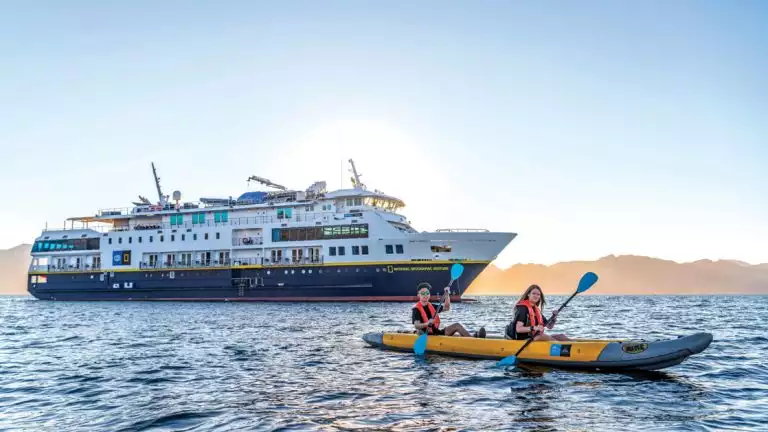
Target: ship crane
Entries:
(356, 183)
(266, 182)
(162, 199)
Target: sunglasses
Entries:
(423, 293)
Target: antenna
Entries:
(157, 184)
(356, 183)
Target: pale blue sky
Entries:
(589, 128)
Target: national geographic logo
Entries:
(437, 268)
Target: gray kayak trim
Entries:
(648, 355)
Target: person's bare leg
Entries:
(542, 337)
(560, 337)
(456, 328)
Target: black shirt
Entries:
(521, 314)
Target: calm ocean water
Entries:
(232, 366)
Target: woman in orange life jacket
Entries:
(424, 315)
(528, 318)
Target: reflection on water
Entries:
(151, 366)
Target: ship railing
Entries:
(462, 230)
(80, 227)
(245, 222)
(293, 261)
(173, 264)
(53, 268)
(277, 261)
(231, 262)
(151, 208)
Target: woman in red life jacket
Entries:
(425, 315)
(528, 318)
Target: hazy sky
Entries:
(589, 128)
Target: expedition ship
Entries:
(278, 245)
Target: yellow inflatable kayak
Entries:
(603, 355)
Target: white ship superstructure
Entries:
(311, 244)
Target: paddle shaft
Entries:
(420, 346)
(442, 302)
(566, 303)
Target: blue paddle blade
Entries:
(586, 282)
(420, 346)
(456, 271)
(507, 361)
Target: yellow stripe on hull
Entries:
(580, 350)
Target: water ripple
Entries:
(221, 367)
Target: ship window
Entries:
(358, 201)
(365, 249)
(139, 239)
(206, 236)
(332, 251)
(194, 236)
(162, 238)
(110, 242)
(183, 237)
(151, 239)
(399, 249)
(440, 248)
(355, 250)
(198, 219)
(173, 237)
(217, 236)
(320, 233)
(341, 250)
(130, 240)
(388, 249)
(119, 240)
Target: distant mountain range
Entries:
(625, 274)
(628, 274)
(14, 264)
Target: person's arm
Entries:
(521, 316)
(551, 322)
(416, 318)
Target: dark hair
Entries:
(542, 302)
(423, 285)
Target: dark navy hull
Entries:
(368, 282)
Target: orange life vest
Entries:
(534, 315)
(424, 319)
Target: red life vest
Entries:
(534, 315)
(424, 319)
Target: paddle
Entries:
(585, 283)
(421, 342)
